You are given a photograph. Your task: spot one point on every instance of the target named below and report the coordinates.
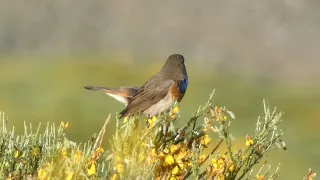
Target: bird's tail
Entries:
(97, 88)
(122, 94)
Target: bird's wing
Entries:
(122, 94)
(149, 94)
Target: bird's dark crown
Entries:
(175, 59)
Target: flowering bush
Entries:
(147, 149)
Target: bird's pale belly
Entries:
(161, 106)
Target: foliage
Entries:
(146, 149)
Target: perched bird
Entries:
(157, 95)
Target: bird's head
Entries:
(174, 67)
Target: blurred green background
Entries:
(246, 51)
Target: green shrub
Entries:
(146, 149)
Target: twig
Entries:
(99, 139)
(249, 167)
(207, 157)
(198, 113)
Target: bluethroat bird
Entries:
(157, 95)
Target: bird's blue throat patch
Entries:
(183, 85)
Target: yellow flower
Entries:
(180, 159)
(92, 170)
(175, 170)
(142, 157)
(114, 177)
(69, 174)
(219, 114)
(230, 166)
(249, 141)
(223, 156)
(63, 152)
(153, 152)
(181, 156)
(173, 178)
(310, 175)
(220, 176)
(182, 165)
(119, 168)
(173, 116)
(260, 177)
(152, 155)
(161, 154)
(118, 158)
(214, 163)
(42, 174)
(168, 160)
(64, 124)
(205, 140)
(35, 151)
(152, 120)
(99, 151)
(125, 119)
(217, 110)
(201, 158)
(78, 156)
(175, 110)
(189, 163)
(16, 154)
(174, 148)
(218, 164)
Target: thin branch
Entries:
(99, 139)
(207, 157)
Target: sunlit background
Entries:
(246, 50)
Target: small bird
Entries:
(157, 95)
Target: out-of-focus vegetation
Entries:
(42, 89)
